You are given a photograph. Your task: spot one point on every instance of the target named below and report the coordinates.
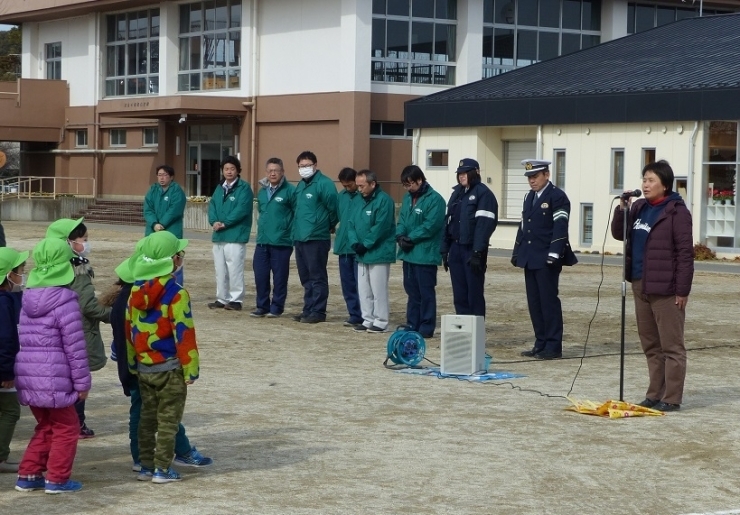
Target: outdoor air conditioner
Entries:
(463, 344)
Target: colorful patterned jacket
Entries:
(159, 326)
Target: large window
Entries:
(642, 17)
(132, 53)
(414, 41)
(54, 61)
(210, 45)
(518, 33)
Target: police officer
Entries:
(541, 249)
(472, 215)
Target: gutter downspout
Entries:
(540, 143)
(255, 86)
(415, 156)
(96, 158)
(692, 170)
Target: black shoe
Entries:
(258, 313)
(548, 355)
(311, 319)
(273, 315)
(530, 353)
(359, 328)
(375, 329)
(351, 323)
(297, 318)
(233, 306)
(215, 305)
(427, 336)
(648, 403)
(664, 406)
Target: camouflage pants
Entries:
(163, 397)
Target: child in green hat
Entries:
(75, 234)
(51, 371)
(12, 280)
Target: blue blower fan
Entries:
(406, 347)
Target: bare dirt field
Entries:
(304, 419)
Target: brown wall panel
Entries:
(305, 108)
(388, 157)
(127, 175)
(388, 108)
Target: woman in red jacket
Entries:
(660, 265)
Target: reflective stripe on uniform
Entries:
(487, 214)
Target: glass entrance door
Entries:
(208, 145)
(192, 180)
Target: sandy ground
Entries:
(305, 419)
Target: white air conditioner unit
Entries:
(463, 344)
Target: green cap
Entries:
(51, 257)
(9, 259)
(155, 259)
(61, 228)
(125, 271)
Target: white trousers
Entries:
(228, 258)
(372, 288)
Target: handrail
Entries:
(33, 186)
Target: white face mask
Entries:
(85, 249)
(306, 172)
(16, 286)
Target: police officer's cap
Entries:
(535, 166)
(467, 165)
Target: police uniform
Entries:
(542, 248)
(472, 215)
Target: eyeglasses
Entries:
(407, 185)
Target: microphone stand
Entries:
(624, 300)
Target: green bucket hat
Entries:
(9, 259)
(125, 271)
(155, 259)
(52, 267)
(61, 228)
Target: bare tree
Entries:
(12, 152)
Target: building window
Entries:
(81, 138)
(210, 45)
(648, 156)
(721, 165)
(151, 137)
(642, 17)
(559, 168)
(587, 224)
(132, 53)
(118, 137)
(54, 61)
(414, 42)
(390, 130)
(437, 158)
(518, 33)
(617, 176)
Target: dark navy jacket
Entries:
(10, 312)
(478, 217)
(118, 326)
(544, 230)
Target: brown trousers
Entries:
(660, 325)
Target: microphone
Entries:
(627, 194)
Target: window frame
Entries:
(432, 166)
(380, 133)
(583, 228)
(118, 48)
(150, 130)
(644, 154)
(614, 187)
(557, 174)
(78, 133)
(53, 64)
(119, 143)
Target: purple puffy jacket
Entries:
(51, 367)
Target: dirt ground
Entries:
(304, 419)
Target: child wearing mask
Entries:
(51, 371)
(12, 280)
(75, 234)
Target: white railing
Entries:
(46, 187)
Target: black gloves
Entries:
(405, 243)
(359, 248)
(553, 261)
(513, 260)
(477, 262)
(445, 264)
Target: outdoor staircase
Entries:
(113, 212)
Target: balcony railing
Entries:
(46, 187)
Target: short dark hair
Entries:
(664, 172)
(167, 168)
(234, 161)
(370, 176)
(275, 161)
(78, 232)
(306, 154)
(412, 173)
(347, 174)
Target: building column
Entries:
(469, 41)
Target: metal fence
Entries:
(46, 187)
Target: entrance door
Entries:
(192, 180)
(208, 145)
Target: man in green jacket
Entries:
(371, 235)
(164, 207)
(230, 217)
(419, 234)
(274, 244)
(314, 221)
(349, 200)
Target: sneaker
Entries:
(297, 318)
(86, 432)
(351, 323)
(165, 476)
(648, 402)
(359, 328)
(145, 474)
(113, 355)
(375, 329)
(273, 315)
(29, 483)
(60, 488)
(136, 467)
(258, 313)
(311, 319)
(666, 406)
(193, 459)
(216, 305)
(233, 306)
(8, 466)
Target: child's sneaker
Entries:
(113, 355)
(86, 432)
(193, 459)
(145, 474)
(60, 488)
(29, 483)
(165, 476)
(136, 467)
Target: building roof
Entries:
(687, 70)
